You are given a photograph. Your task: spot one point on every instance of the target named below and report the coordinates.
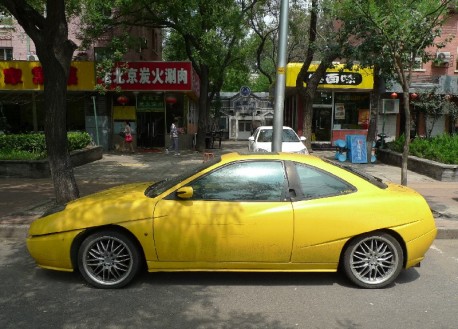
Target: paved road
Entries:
(422, 298)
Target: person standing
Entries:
(128, 140)
(174, 137)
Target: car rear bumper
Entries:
(416, 249)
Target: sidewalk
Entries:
(22, 200)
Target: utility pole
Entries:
(281, 78)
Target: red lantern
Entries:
(413, 96)
(123, 100)
(170, 100)
(394, 95)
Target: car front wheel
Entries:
(373, 261)
(108, 259)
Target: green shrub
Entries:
(441, 148)
(78, 140)
(20, 155)
(33, 146)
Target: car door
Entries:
(238, 213)
(323, 216)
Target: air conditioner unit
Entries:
(390, 106)
(443, 56)
(32, 57)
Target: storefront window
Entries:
(351, 110)
(323, 98)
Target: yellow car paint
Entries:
(190, 235)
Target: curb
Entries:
(447, 233)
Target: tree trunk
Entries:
(375, 103)
(308, 93)
(65, 186)
(50, 36)
(405, 153)
(203, 112)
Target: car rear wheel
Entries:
(108, 259)
(373, 260)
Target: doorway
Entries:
(150, 129)
(245, 129)
(321, 123)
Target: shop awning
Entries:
(337, 77)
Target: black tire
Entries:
(373, 260)
(108, 259)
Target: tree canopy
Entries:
(211, 34)
(390, 35)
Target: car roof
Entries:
(335, 168)
(237, 156)
(271, 127)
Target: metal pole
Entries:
(95, 121)
(281, 79)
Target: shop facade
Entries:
(150, 95)
(341, 106)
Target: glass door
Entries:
(150, 129)
(321, 123)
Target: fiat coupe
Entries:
(241, 212)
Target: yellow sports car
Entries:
(241, 212)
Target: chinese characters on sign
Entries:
(151, 76)
(340, 78)
(13, 76)
(150, 103)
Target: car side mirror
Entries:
(185, 192)
(302, 138)
(251, 139)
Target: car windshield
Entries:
(368, 177)
(288, 135)
(160, 187)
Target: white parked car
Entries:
(261, 141)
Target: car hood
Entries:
(115, 205)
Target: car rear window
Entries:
(368, 177)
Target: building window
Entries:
(418, 65)
(6, 54)
(323, 98)
(100, 53)
(245, 126)
(351, 110)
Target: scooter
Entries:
(381, 141)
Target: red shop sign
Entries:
(151, 76)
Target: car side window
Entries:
(265, 136)
(289, 136)
(243, 181)
(316, 183)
